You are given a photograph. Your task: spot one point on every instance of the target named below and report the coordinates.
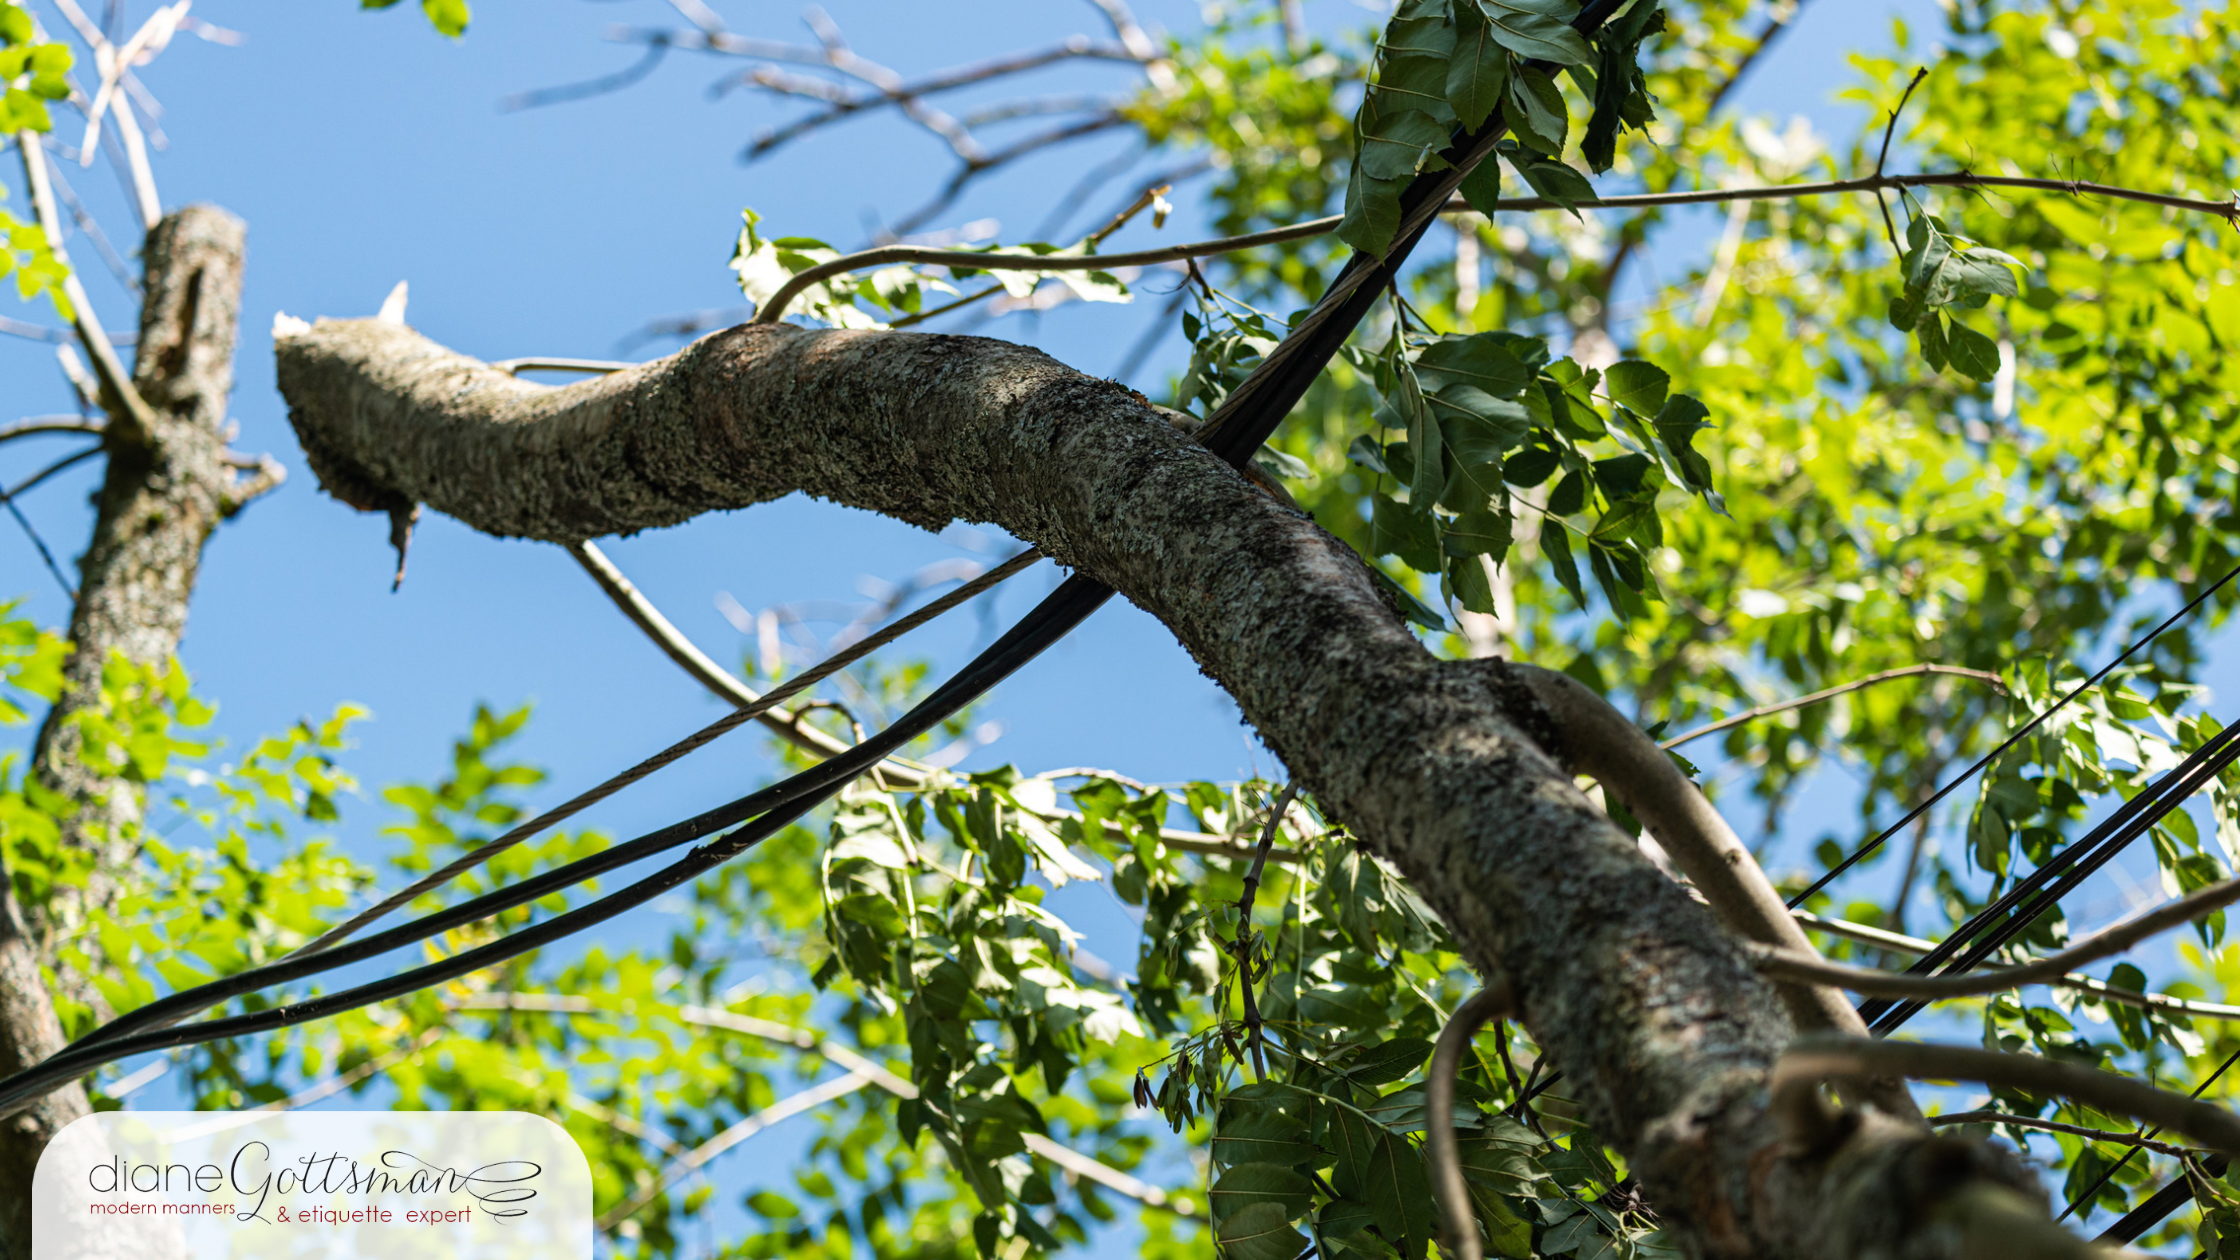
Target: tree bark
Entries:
(1664, 1032)
(165, 490)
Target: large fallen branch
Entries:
(1665, 1031)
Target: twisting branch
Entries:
(1809, 1124)
(2074, 1130)
(1461, 1224)
(1598, 740)
(1766, 710)
(2052, 969)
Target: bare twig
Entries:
(593, 366)
(536, 98)
(886, 255)
(976, 167)
(1881, 204)
(1240, 945)
(2056, 1126)
(49, 424)
(785, 1109)
(1765, 710)
(1461, 1224)
(1808, 1124)
(137, 419)
(899, 93)
(2052, 969)
(1064, 1157)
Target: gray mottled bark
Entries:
(164, 491)
(1663, 1030)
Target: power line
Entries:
(1965, 775)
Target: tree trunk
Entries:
(164, 492)
(1663, 1031)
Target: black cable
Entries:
(2065, 871)
(2016, 738)
(1064, 609)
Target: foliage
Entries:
(1823, 454)
(31, 74)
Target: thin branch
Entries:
(538, 97)
(593, 366)
(2052, 969)
(137, 418)
(901, 93)
(1766, 710)
(2074, 1130)
(33, 332)
(2101, 989)
(35, 480)
(46, 556)
(1240, 945)
(973, 169)
(1808, 1125)
(91, 228)
(1460, 1227)
(1889, 227)
(785, 1109)
(1064, 1157)
(49, 424)
(886, 255)
(752, 707)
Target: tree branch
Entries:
(1064, 1157)
(1766, 710)
(2052, 969)
(2056, 1126)
(887, 255)
(1881, 939)
(1461, 1224)
(1807, 1123)
(1665, 1033)
(136, 418)
(784, 1109)
(1599, 741)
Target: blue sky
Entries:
(363, 150)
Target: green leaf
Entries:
(1537, 29)
(1481, 533)
(1469, 585)
(449, 16)
(1478, 74)
(1265, 1136)
(1260, 1232)
(1480, 360)
(1248, 1185)
(1636, 385)
(1482, 187)
(1930, 333)
(1388, 1062)
(1415, 610)
(1372, 212)
(1973, 353)
(1397, 145)
(1397, 529)
(1537, 113)
(1555, 543)
(1554, 181)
